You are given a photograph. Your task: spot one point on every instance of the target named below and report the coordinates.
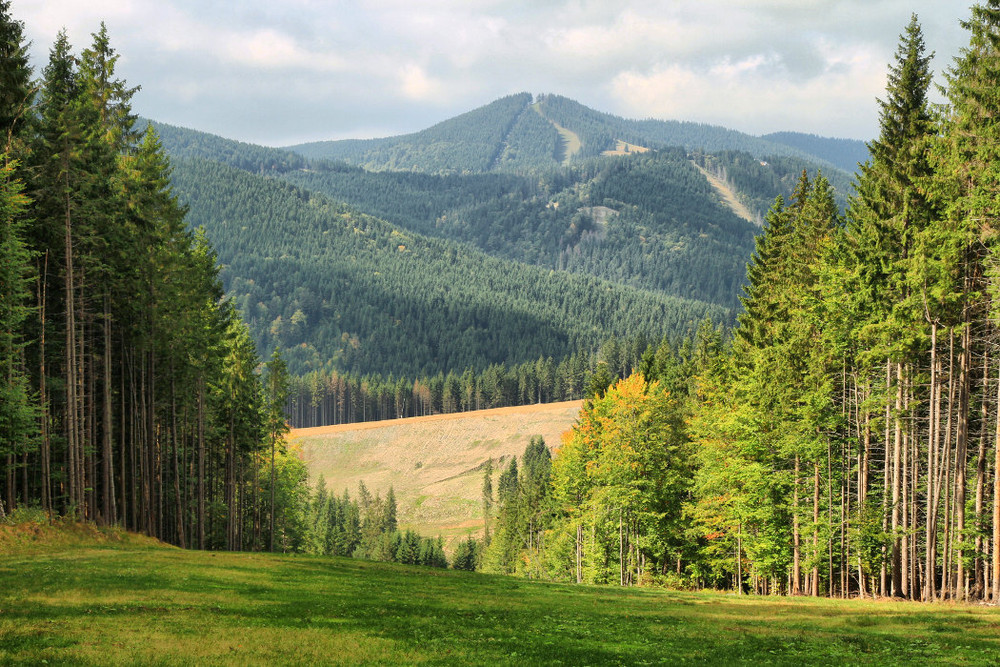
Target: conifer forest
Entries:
(828, 426)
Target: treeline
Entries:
(131, 393)
(847, 442)
(321, 398)
(366, 527)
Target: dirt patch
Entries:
(571, 143)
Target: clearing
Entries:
(571, 140)
(434, 464)
(728, 196)
(625, 148)
(131, 601)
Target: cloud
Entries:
(756, 93)
(274, 72)
(415, 84)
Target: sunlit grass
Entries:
(127, 601)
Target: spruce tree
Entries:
(968, 169)
(16, 86)
(18, 427)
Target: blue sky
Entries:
(279, 72)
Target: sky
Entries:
(280, 72)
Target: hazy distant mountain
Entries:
(845, 154)
(520, 133)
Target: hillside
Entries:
(501, 133)
(649, 220)
(434, 464)
(844, 154)
(335, 288)
(660, 225)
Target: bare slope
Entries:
(728, 195)
(434, 464)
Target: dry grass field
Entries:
(625, 148)
(434, 464)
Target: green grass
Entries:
(131, 601)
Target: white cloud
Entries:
(756, 95)
(415, 84)
(755, 65)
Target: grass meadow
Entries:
(79, 596)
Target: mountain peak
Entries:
(523, 133)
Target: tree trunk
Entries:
(43, 400)
(107, 469)
(201, 462)
(796, 536)
(979, 575)
(996, 501)
(814, 575)
(71, 413)
(960, 460)
(897, 453)
(933, 489)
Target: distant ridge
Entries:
(845, 154)
(501, 136)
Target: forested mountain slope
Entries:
(652, 221)
(649, 220)
(490, 181)
(337, 288)
(472, 142)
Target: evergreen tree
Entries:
(17, 410)
(16, 88)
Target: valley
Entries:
(630, 364)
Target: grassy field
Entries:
(434, 464)
(113, 599)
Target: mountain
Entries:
(473, 142)
(521, 133)
(845, 154)
(502, 235)
(651, 220)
